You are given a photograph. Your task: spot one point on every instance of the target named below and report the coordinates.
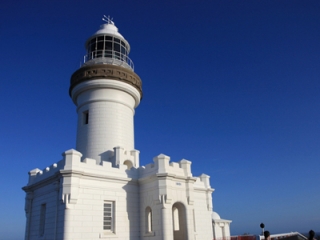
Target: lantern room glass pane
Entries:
(116, 47)
(123, 53)
(108, 45)
(100, 46)
(93, 47)
(123, 50)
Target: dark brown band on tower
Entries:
(96, 71)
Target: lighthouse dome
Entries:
(109, 29)
(215, 216)
(108, 46)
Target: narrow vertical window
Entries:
(194, 221)
(86, 117)
(42, 219)
(148, 218)
(108, 216)
(175, 213)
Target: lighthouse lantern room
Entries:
(108, 46)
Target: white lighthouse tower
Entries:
(99, 190)
(106, 92)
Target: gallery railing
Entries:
(108, 57)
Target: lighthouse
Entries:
(106, 91)
(99, 190)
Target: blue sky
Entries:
(232, 86)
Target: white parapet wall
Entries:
(72, 160)
(117, 167)
(162, 164)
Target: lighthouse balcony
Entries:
(108, 57)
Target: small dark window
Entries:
(108, 38)
(86, 117)
(117, 40)
(42, 219)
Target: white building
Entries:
(99, 190)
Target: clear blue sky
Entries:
(232, 86)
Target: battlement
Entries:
(37, 175)
(122, 164)
(203, 181)
(125, 159)
(162, 164)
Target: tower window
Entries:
(108, 216)
(148, 220)
(175, 213)
(86, 117)
(42, 219)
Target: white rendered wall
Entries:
(110, 105)
(85, 186)
(203, 223)
(162, 185)
(197, 215)
(75, 205)
(86, 215)
(49, 195)
(85, 192)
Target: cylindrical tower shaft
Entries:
(106, 92)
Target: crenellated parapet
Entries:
(162, 165)
(125, 159)
(173, 177)
(37, 175)
(122, 164)
(106, 169)
(203, 181)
